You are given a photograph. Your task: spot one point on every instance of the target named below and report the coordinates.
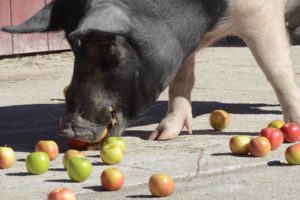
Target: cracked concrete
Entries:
(31, 104)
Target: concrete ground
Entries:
(32, 103)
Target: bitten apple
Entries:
(111, 154)
(259, 147)
(37, 163)
(276, 124)
(77, 144)
(7, 157)
(112, 179)
(61, 194)
(219, 119)
(71, 154)
(118, 141)
(48, 146)
(291, 132)
(161, 185)
(239, 145)
(292, 154)
(79, 169)
(274, 135)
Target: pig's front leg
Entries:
(179, 113)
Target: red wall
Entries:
(16, 11)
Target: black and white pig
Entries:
(128, 51)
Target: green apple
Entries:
(71, 154)
(118, 141)
(79, 169)
(37, 163)
(111, 154)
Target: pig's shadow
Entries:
(159, 109)
(23, 125)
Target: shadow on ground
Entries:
(22, 126)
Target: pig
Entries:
(292, 15)
(128, 51)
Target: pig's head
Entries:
(117, 75)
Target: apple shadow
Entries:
(98, 164)
(57, 169)
(96, 188)
(141, 196)
(229, 154)
(60, 181)
(277, 163)
(19, 174)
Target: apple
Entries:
(219, 120)
(276, 124)
(79, 169)
(292, 154)
(48, 146)
(239, 144)
(112, 179)
(274, 135)
(71, 154)
(7, 157)
(291, 132)
(111, 154)
(161, 185)
(37, 163)
(118, 141)
(78, 144)
(61, 194)
(259, 146)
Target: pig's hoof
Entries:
(171, 126)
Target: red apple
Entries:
(77, 144)
(71, 154)
(62, 194)
(291, 132)
(239, 144)
(259, 147)
(161, 185)
(112, 179)
(48, 146)
(292, 154)
(274, 135)
(7, 157)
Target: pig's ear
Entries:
(108, 19)
(47, 19)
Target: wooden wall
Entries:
(13, 12)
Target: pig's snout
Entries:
(74, 126)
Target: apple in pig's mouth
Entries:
(89, 132)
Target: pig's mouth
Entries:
(82, 129)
